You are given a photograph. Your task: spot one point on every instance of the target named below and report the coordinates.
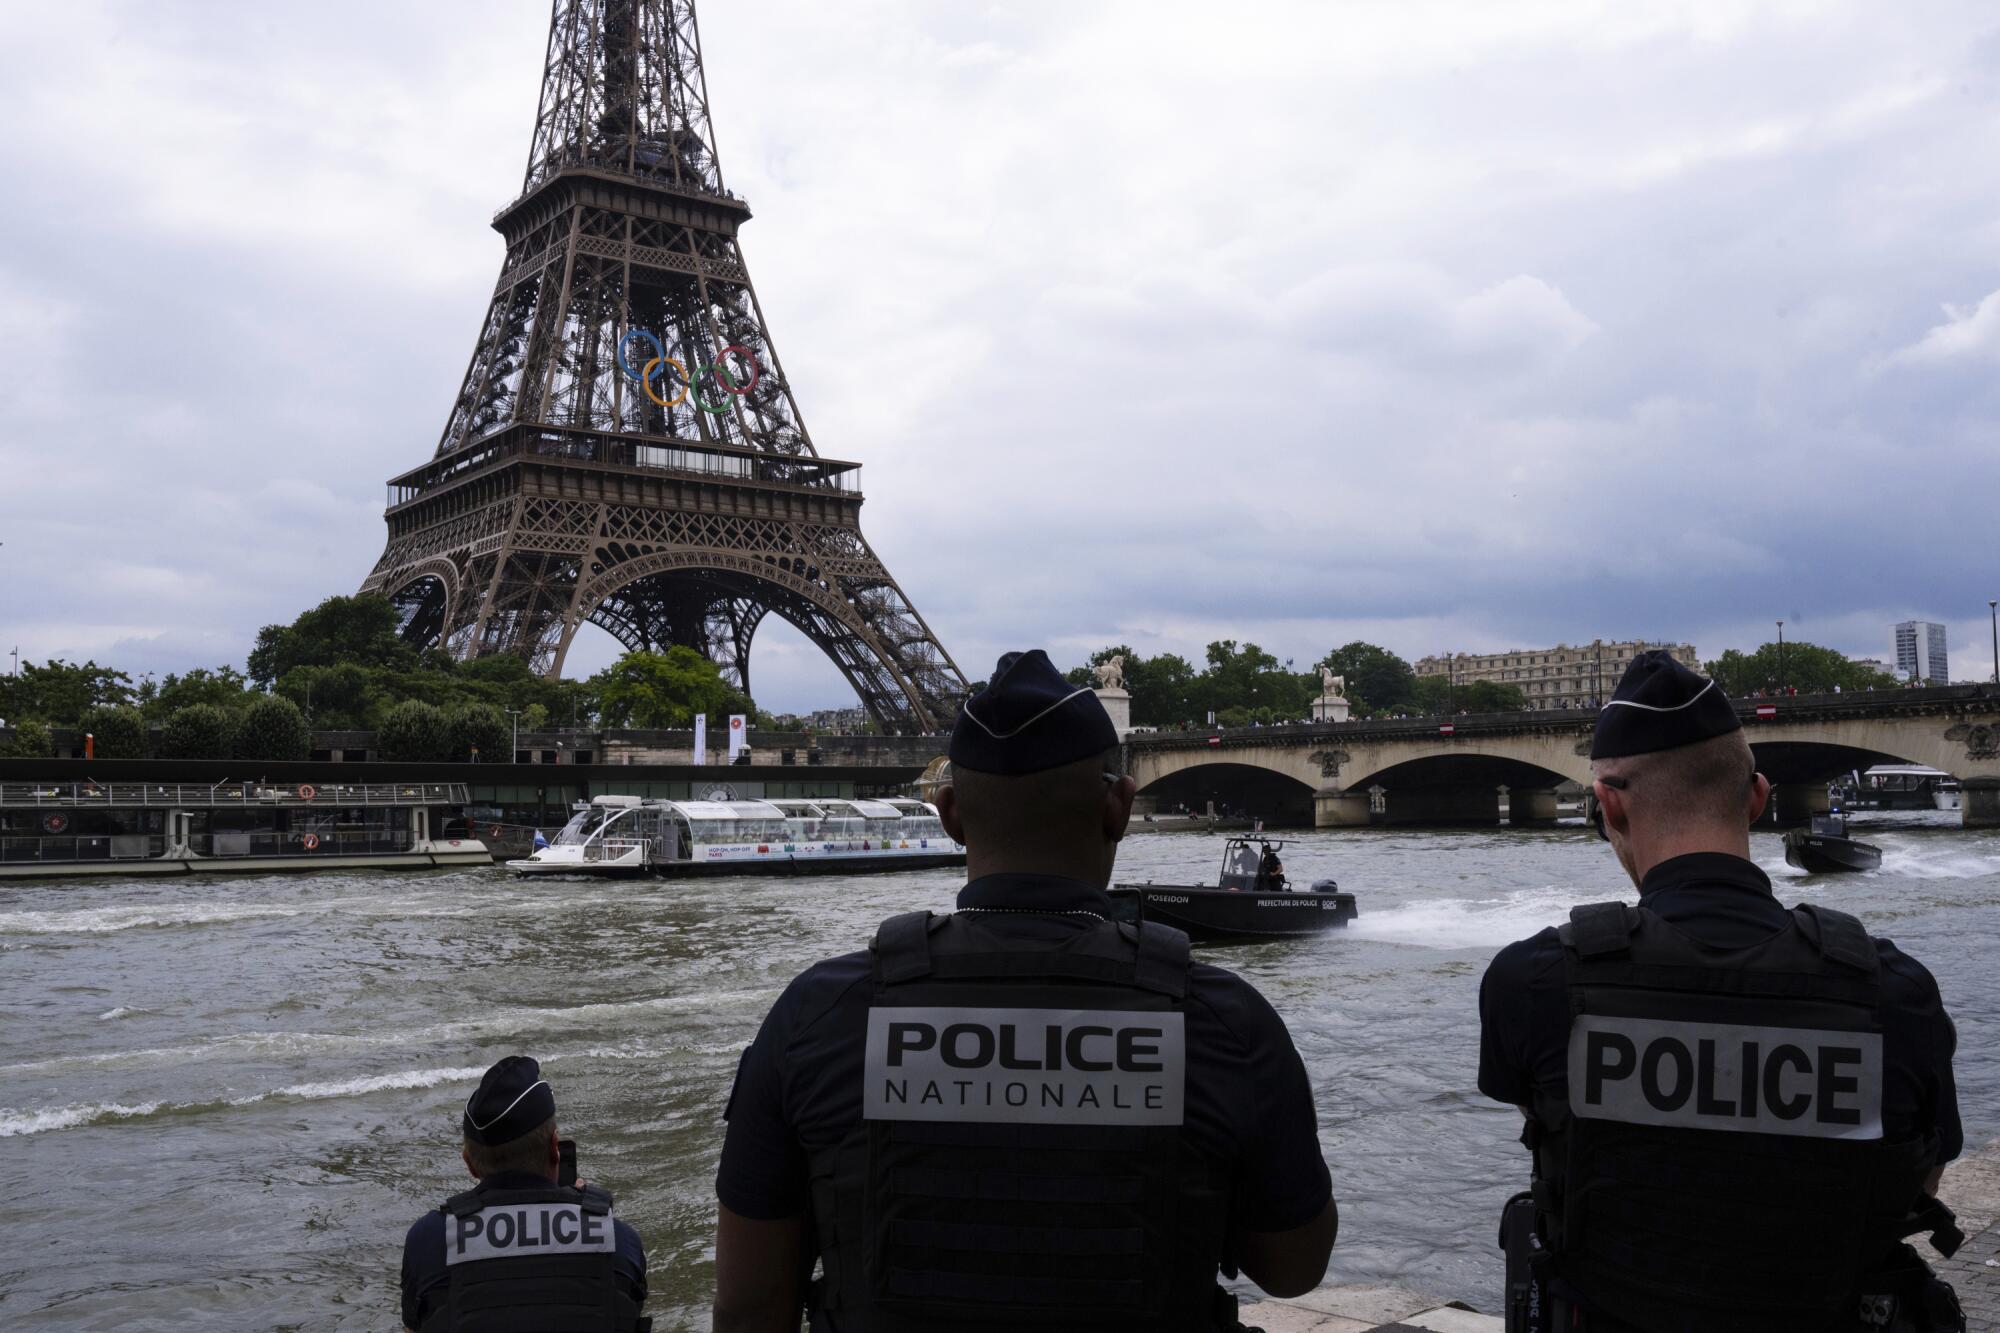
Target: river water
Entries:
(223, 1101)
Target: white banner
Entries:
(739, 734)
(701, 738)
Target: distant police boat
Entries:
(1825, 848)
(631, 835)
(1251, 900)
(59, 829)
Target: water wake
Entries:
(1471, 923)
(15, 1123)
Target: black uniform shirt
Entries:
(1725, 902)
(424, 1271)
(798, 1088)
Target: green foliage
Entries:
(272, 727)
(61, 693)
(534, 717)
(1247, 677)
(482, 728)
(224, 687)
(661, 690)
(341, 697)
(1378, 681)
(1431, 694)
(31, 740)
(119, 731)
(199, 731)
(1491, 696)
(1806, 667)
(1159, 685)
(414, 730)
(361, 630)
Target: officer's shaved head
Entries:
(1064, 820)
(528, 1154)
(1700, 783)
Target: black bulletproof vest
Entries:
(1022, 1160)
(531, 1261)
(1719, 1163)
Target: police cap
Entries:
(1029, 718)
(512, 1099)
(1661, 705)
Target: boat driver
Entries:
(520, 1252)
(1737, 1111)
(1020, 1114)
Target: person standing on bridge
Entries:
(1737, 1111)
(1021, 1114)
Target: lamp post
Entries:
(1993, 614)
(514, 755)
(1781, 657)
(1597, 689)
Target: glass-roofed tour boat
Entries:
(177, 828)
(632, 835)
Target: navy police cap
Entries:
(1661, 705)
(512, 1099)
(1029, 718)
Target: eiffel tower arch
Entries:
(625, 449)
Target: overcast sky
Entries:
(1444, 325)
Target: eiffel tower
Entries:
(625, 449)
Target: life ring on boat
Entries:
(311, 840)
(55, 823)
(307, 791)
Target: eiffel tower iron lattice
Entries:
(625, 449)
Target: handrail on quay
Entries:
(299, 795)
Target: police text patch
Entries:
(1026, 1066)
(504, 1232)
(1753, 1080)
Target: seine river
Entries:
(223, 1101)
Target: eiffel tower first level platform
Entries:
(625, 449)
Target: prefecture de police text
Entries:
(1757, 1080)
(535, 1228)
(1025, 1066)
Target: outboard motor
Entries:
(1326, 886)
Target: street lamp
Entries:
(515, 754)
(1993, 614)
(1781, 657)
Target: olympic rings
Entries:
(690, 384)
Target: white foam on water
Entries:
(107, 920)
(15, 1123)
(1930, 862)
(353, 1087)
(122, 1011)
(1469, 923)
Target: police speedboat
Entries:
(1825, 848)
(1252, 899)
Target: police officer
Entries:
(1019, 1115)
(1737, 1111)
(518, 1252)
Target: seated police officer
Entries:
(1020, 1115)
(1737, 1111)
(520, 1253)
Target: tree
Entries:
(534, 717)
(414, 731)
(660, 690)
(1378, 681)
(482, 728)
(1158, 685)
(199, 731)
(118, 732)
(340, 697)
(62, 693)
(363, 630)
(1490, 696)
(1247, 677)
(224, 687)
(1806, 667)
(273, 728)
(30, 740)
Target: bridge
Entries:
(1426, 770)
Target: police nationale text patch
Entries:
(1753, 1080)
(531, 1228)
(1026, 1066)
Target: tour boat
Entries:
(1248, 901)
(1825, 847)
(632, 835)
(175, 828)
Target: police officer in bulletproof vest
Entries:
(527, 1249)
(1737, 1111)
(1020, 1115)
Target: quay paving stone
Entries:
(1972, 1188)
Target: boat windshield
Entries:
(1829, 826)
(587, 822)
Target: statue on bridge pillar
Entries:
(1111, 692)
(1332, 705)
